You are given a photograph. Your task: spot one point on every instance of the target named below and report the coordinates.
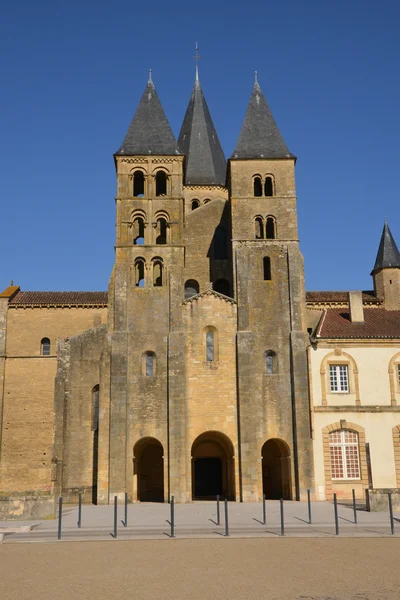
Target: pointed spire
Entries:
(388, 256)
(198, 140)
(149, 131)
(260, 136)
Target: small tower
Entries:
(386, 271)
(269, 281)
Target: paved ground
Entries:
(233, 569)
(199, 520)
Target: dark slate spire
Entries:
(388, 254)
(260, 136)
(149, 131)
(198, 140)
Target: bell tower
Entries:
(269, 288)
(386, 271)
(145, 290)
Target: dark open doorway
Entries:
(276, 470)
(212, 467)
(149, 470)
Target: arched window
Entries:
(222, 287)
(161, 183)
(138, 231)
(161, 228)
(267, 268)
(257, 186)
(344, 454)
(259, 228)
(210, 349)
(195, 204)
(149, 364)
(95, 407)
(157, 272)
(138, 184)
(45, 347)
(268, 187)
(207, 200)
(139, 272)
(191, 288)
(271, 364)
(270, 228)
(220, 244)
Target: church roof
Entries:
(378, 323)
(388, 254)
(59, 299)
(260, 136)
(198, 140)
(149, 131)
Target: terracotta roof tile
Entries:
(379, 323)
(60, 298)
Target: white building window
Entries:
(343, 450)
(339, 378)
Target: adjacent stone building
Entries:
(206, 368)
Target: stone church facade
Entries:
(206, 368)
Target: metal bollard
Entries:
(309, 507)
(80, 511)
(226, 519)
(115, 516)
(218, 514)
(391, 513)
(264, 511)
(59, 517)
(336, 514)
(354, 506)
(172, 517)
(282, 518)
(126, 510)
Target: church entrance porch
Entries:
(212, 467)
(275, 455)
(148, 470)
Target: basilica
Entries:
(206, 367)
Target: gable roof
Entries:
(60, 299)
(198, 140)
(149, 131)
(388, 254)
(260, 136)
(378, 323)
(209, 293)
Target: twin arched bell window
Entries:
(160, 180)
(265, 229)
(161, 226)
(157, 269)
(263, 188)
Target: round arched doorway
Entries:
(213, 470)
(275, 455)
(149, 470)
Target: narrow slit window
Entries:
(257, 187)
(259, 227)
(210, 346)
(268, 187)
(161, 184)
(139, 273)
(270, 228)
(267, 268)
(45, 347)
(157, 273)
(95, 407)
(149, 364)
(270, 362)
(161, 231)
(138, 184)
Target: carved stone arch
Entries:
(393, 378)
(339, 425)
(339, 357)
(396, 450)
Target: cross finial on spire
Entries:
(150, 77)
(197, 58)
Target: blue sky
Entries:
(73, 72)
